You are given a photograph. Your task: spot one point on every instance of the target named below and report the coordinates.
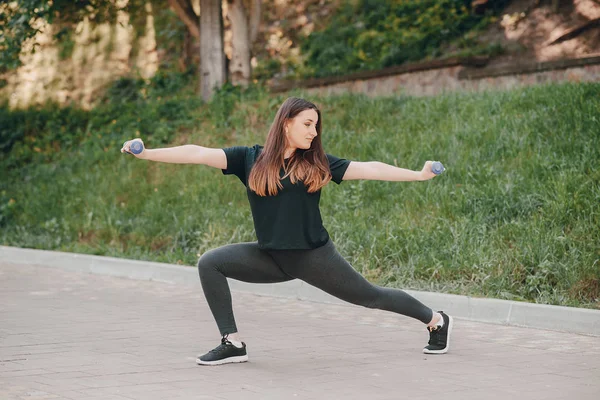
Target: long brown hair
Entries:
(309, 166)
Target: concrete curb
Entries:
(539, 316)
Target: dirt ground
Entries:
(528, 28)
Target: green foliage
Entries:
(125, 90)
(163, 84)
(516, 215)
(66, 43)
(17, 25)
(38, 134)
(171, 83)
(20, 21)
(373, 34)
(266, 69)
(170, 34)
(130, 107)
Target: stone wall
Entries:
(100, 55)
(432, 78)
(588, 73)
(420, 83)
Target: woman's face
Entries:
(301, 130)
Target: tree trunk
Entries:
(239, 67)
(255, 18)
(212, 57)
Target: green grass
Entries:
(515, 216)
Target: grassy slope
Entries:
(516, 215)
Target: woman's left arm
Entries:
(378, 171)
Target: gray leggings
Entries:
(322, 267)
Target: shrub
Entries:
(373, 34)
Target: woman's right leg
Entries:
(242, 261)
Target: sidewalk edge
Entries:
(539, 316)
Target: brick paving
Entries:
(68, 335)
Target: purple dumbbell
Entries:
(437, 167)
(136, 147)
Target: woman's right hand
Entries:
(127, 148)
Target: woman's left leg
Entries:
(327, 270)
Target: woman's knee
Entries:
(209, 261)
(374, 297)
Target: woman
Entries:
(284, 180)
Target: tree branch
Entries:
(185, 12)
(571, 33)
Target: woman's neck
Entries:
(288, 153)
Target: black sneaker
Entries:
(225, 353)
(439, 337)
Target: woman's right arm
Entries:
(186, 154)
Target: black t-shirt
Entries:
(291, 219)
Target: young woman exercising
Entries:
(283, 181)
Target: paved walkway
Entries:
(67, 335)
